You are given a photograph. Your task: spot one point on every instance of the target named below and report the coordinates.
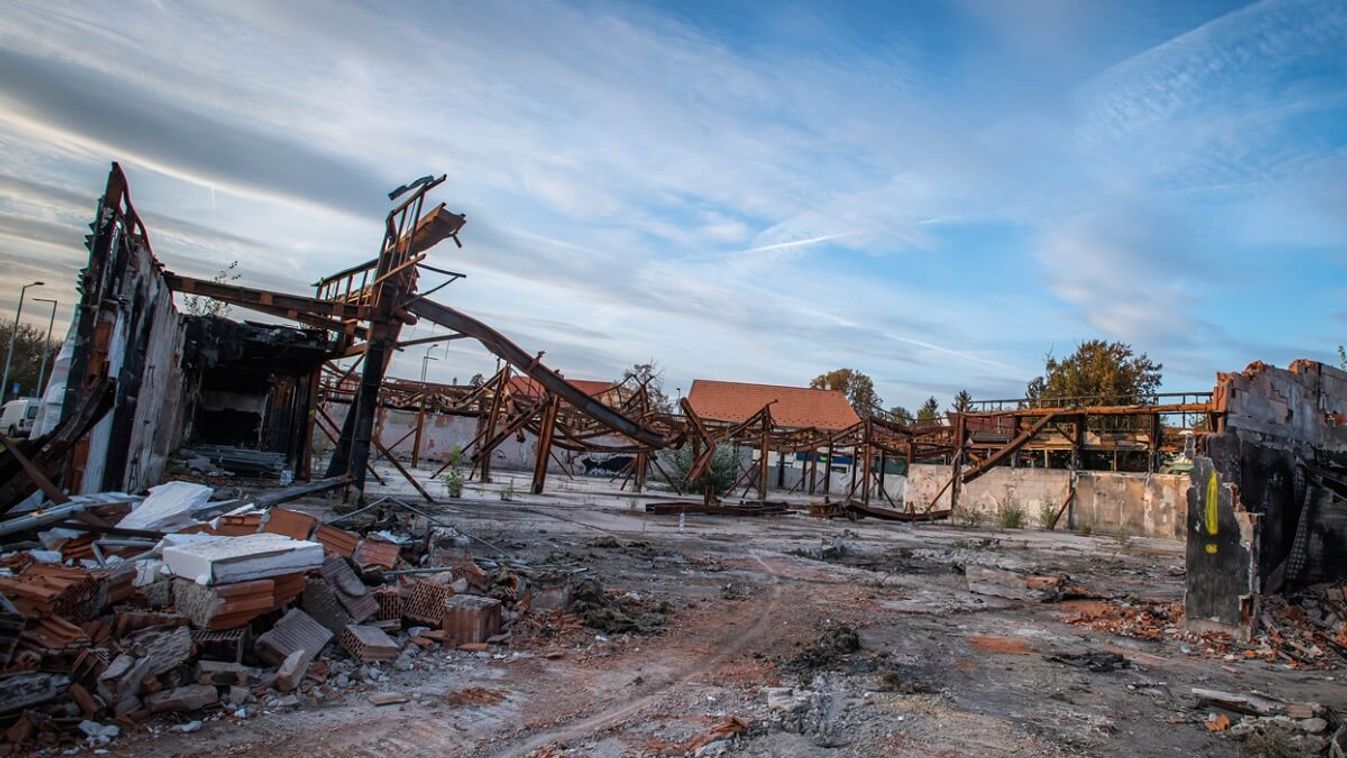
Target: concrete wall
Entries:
(1146, 505)
(442, 433)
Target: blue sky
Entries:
(937, 194)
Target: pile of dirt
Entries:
(834, 642)
(606, 612)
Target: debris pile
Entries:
(196, 619)
(1304, 630)
(1272, 726)
(1307, 629)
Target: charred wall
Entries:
(1256, 521)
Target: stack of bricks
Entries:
(223, 606)
(45, 589)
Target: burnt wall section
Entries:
(126, 329)
(251, 385)
(1280, 426)
(1222, 555)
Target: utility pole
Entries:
(46, 344)
(4, 381)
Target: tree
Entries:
(27, 361)
(929, 411)
(858, 388)
(198, 305)
(1098, 373)
(651, 375)
(963, 402)
(1342, 358)
(476, 380)
(901, 414)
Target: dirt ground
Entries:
(787, 636)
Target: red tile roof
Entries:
(795, 407)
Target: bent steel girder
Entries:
(501, 345)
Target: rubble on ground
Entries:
(250, 610)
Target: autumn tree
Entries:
(650, 374)
(929, 411)
(29, 343)
(1098, 373)
(858, 388)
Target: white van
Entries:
(16, 420)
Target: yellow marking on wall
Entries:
(1212, 510)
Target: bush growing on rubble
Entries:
(719, 476)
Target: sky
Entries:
(936, 194)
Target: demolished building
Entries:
(1252, 476)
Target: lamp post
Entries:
(421, 411)
(425, 361)
(4, 381)
(46, 344)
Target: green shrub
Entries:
(453, 477)
(969, 517)
(720, 475)
(1009, 512)
(1047, 511)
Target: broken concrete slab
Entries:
(241, 559)
(190, 697)
(168, 508)
(292, 669)
(28, 690)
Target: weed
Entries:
(507, 492)
(1122, 536)
(1273, 743)
(970, 517)
(1009, 511)
(1047, 511)
(453, 478)
(1084, 530)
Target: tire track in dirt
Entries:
(727, 650)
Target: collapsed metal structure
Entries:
(364, 309)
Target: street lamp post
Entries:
(421, 411)
(46, 344)
(425, 361)
(4, 381)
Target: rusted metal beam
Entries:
(543, 449)
(276, 303)
(1009, 449)
(498, 344)
(35, 474)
